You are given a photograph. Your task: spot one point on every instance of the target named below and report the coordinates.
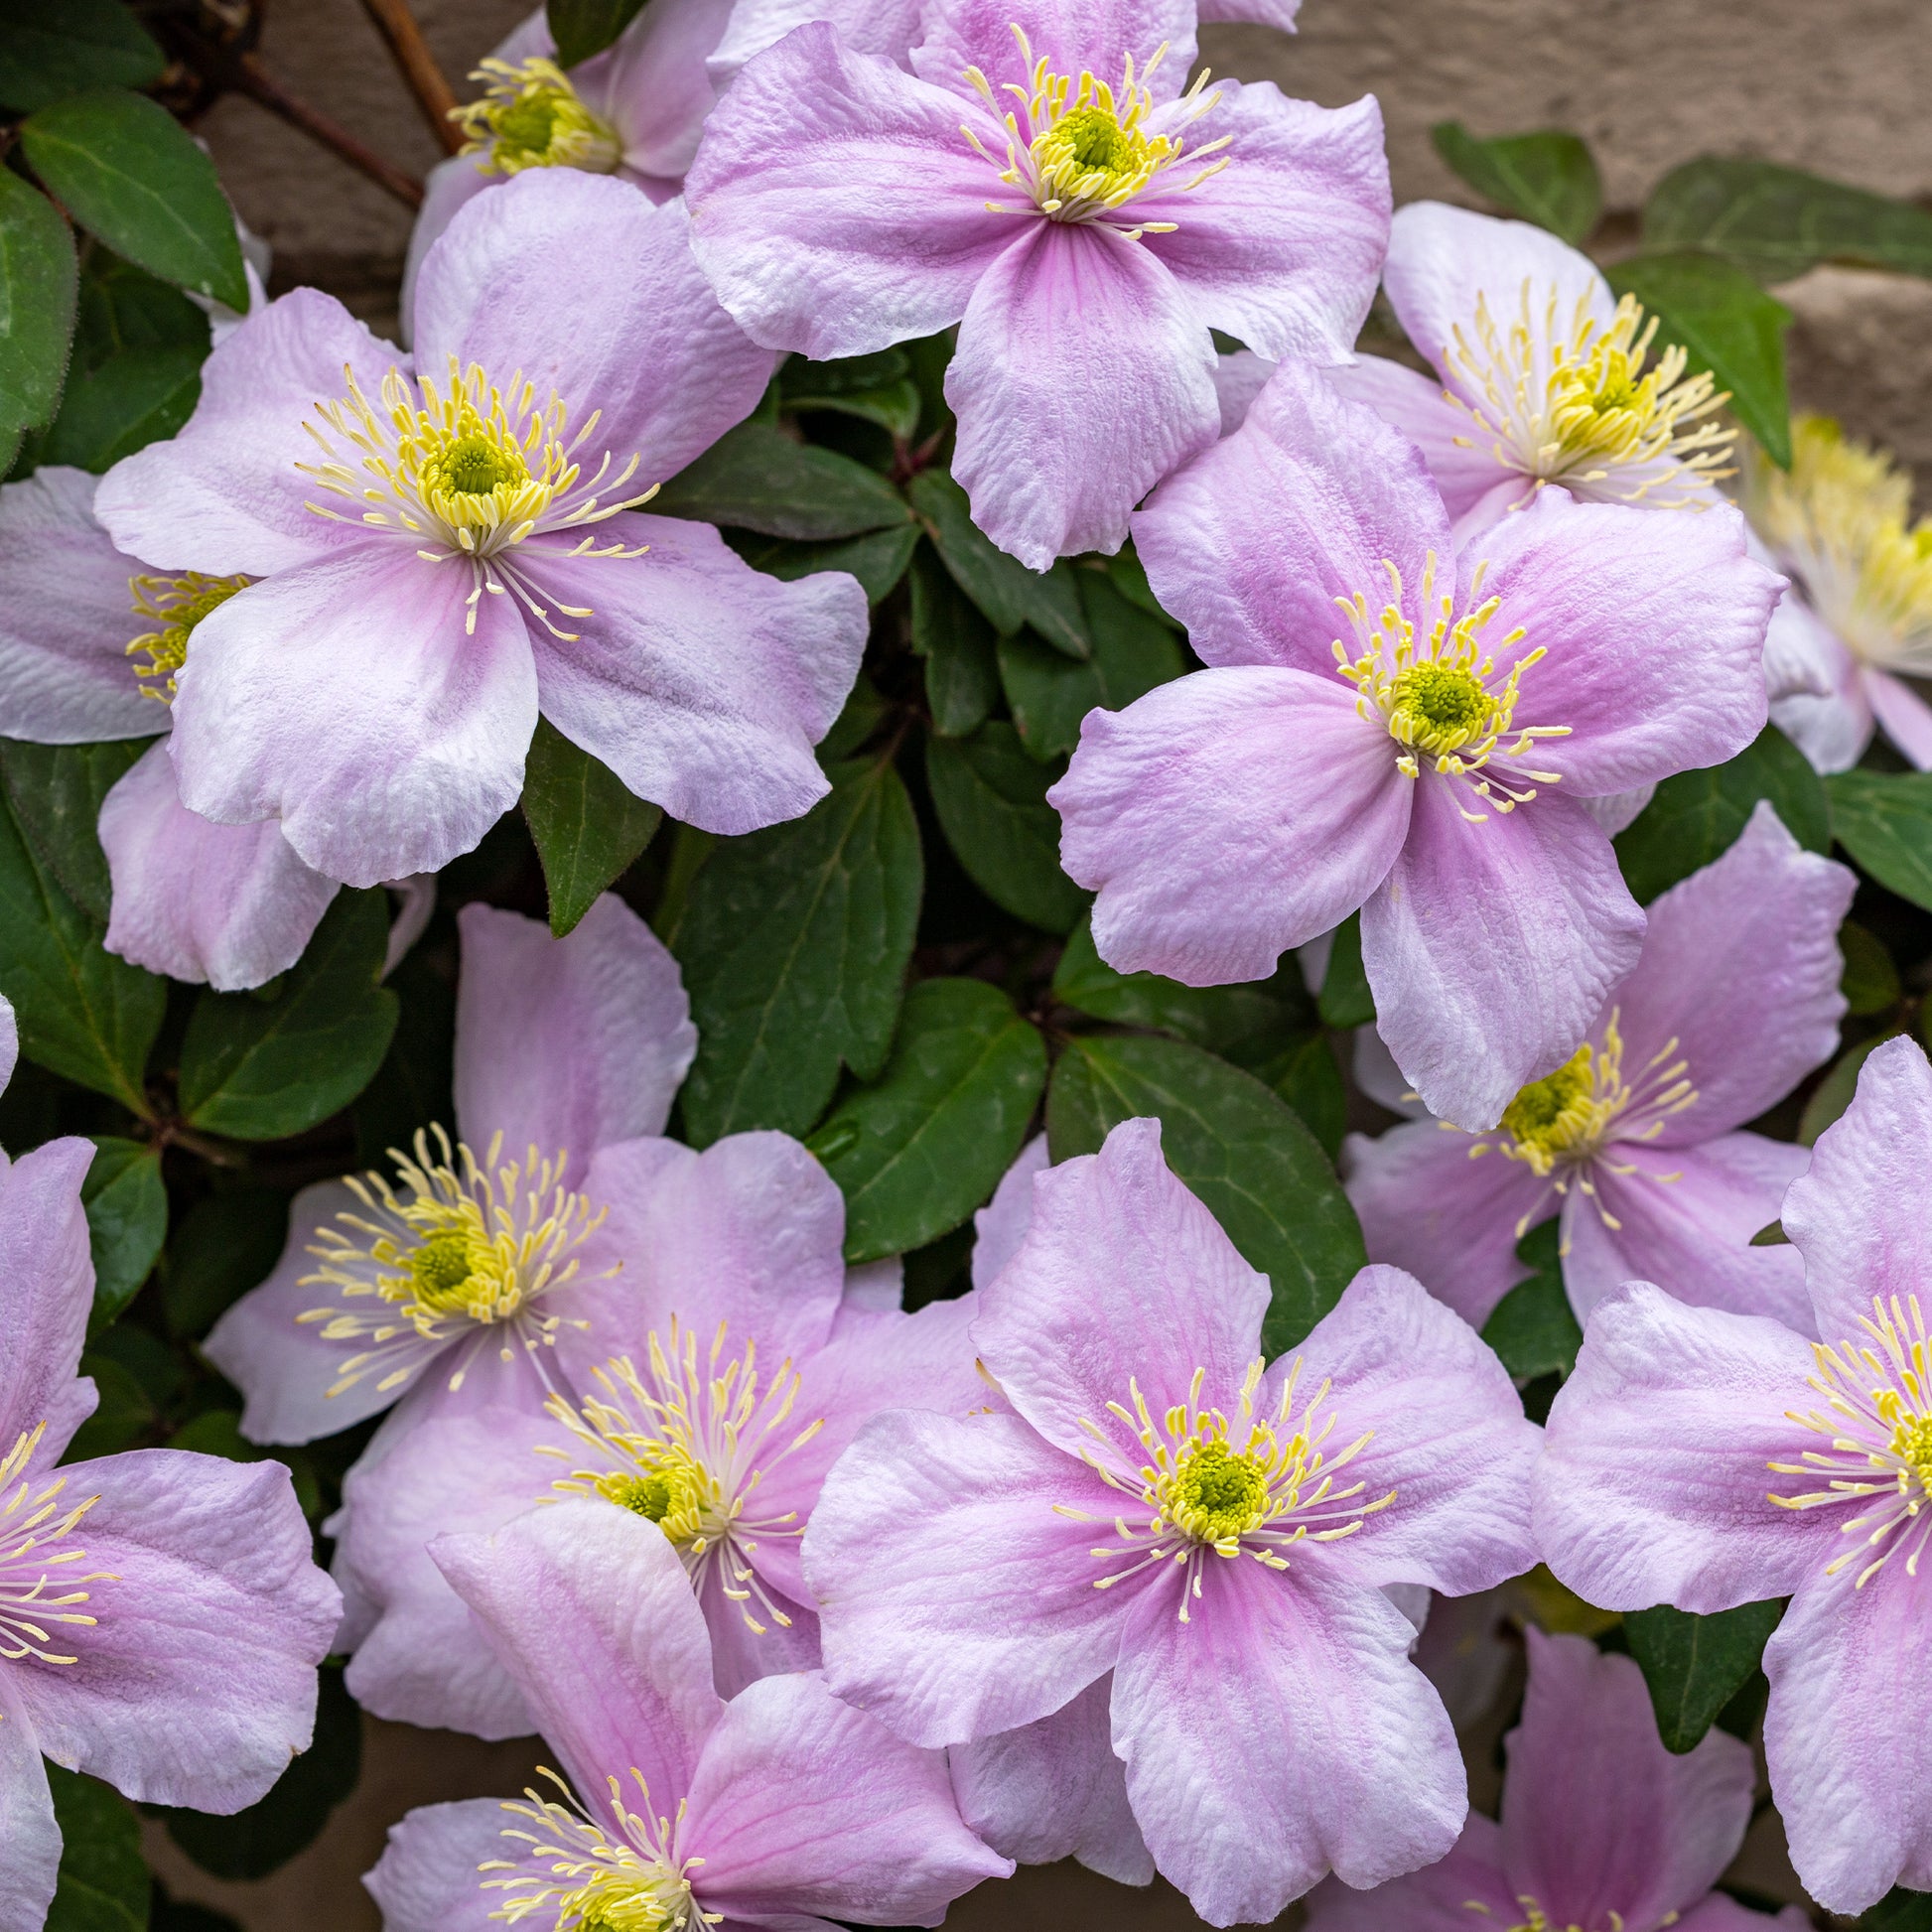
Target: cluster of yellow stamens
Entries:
(1538, 1920)
(687, 1448)
(175, 606)
(1578, 407)
(471, 469)
(33, 1522)
(467, 1247)
(530, 116)
(1839, 520)
(1248, 1486)
(625, 1880)
(1080, 152)
(1877, 1418)
(1440, 697)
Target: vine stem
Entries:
(420, 71)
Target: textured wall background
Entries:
(1839, 88)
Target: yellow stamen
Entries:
(530, 116)
(176, 605)
(33, 1523)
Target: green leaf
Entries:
(127, 1221)
(1883, 819)
(1346, 1001)
(917, 1149)
(1051, 693)
(756, 477)
(1308, 1077)
(1870, 981)
(57, 791)
(877, 558)
(128, 172)
(1242, 1149)
(412, 1088)
(962, 675)
(1549, 177)
(122, 306)
(589, 826)
(1695, 1665)
(103, 1884)
(1696, 816)
(794, 942)
(991, 798)
(1834, 1092)
(1128, 577)
(122, 1416)
(253, 1842)
(1533, 1328)
(876, 388)
(582, 28)
(39, 273)
(227, 1244)
(127, 402)
(1725, 324)
(1003, 587)
(83, 1013)
(47, 52)
(261, 1069)
(1776, 222)
(1899, 1911)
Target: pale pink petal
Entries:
(225, 906)
(591, 1614)
(28, 1828)
(1228, 816)
(1098, 35)
(701, 682)
(1801, 655)
(1001, 1225)
(1832, 727)
(347, 699)
(427, 1878)
(886, 28)
(47, 1292)
(1466, 1651)
(1083, 376)
(1415, 405)
(1655, 1481)
(567, 1043)
(8, 1043)
(1430, 1203)
(415, 897)
(1124, 1280)
(835, 203)
(1441, 1897)
(652, 85)
(1260, 13)
(225, 494)
(741, 1655)
(1721, 1913)
(802, 1804)
(1238, 379)
(1278, 1733)
(1862, 1216)
(640, 339)
(1904, 716)
(1597, 1816)
(1054, 1790)
(1374, 1067)
(1491, 947)
(448, 187)
(1851, 1761)
(1617, 811)
(196, 1683)
(66, 619)
(955, 1596)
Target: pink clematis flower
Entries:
(441, 554)
(161, 1614)
(1044, 183)
(1213, 1532)
(1433, 769)
(1602, 1826)
(1636, 1140)
(730, 1360)
(1705, 1459)
(783, 1808)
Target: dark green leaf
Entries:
(1695, 1665)
(794, 942)
(83, 1013)
(123, 1413)
(876, 388)
(1870, 981)
(1308, 1077)
(261, 1068)
(1051, 693)
(1725, 324)
(1695, 817)
(1899, 1911)
(38, 277)
(1834, 1093)
(127, 402)
(127, 1221)
(1241, 1148)
(582, 28)
(253, 1842)
(1549, 177)
(864, 710)
(48, 51)
(962, 678)
(225, 1245)
(991, 798)
(589, 826)
(1003, 587)
(56, 791)
(123, 307)
(1347, 1001)
(128, 172)
(1776, 222)
(877, 558)
(103, 1884)
(1128, 577)
(1533, 1328)
(412, 1087)
(919, 1149)
(1883, 819)
(756, 477)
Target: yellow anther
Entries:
(530, 116)
(174, 605)
(37, 1585)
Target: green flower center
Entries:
(648, 1497)
(530, 116)
(1093, 138)
(1217, 1495)
(441, 1268)
(1446, 704)
(474, 465)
